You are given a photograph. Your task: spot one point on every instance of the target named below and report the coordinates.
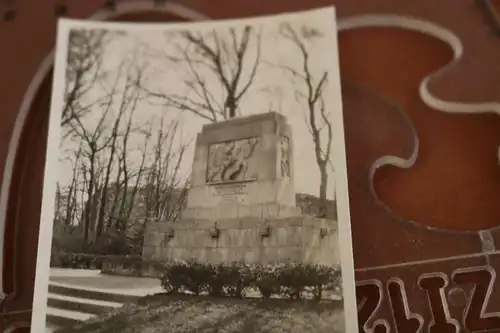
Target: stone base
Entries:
(232, 211)
(251, 240)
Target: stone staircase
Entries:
(69, 305)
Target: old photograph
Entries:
(196, 180)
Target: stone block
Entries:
(181, 238)
(224, 240)
(251, 237)
(243, 205)
(234, 254)
(256, 211)
(233, 223)
(290, 236)
(249, 222)
(227, 211)
(204, 224)
(295, 239)
(166, 252)
(208, 240)
(270, 210)
(190, 239)
(250, 256)
(289, 211)
(148, 252)
(290, 253)
(255, 143)
(177, 225)
(295, 221)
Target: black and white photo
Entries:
(196, 179)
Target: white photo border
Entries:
(51, 168)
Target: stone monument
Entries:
(241, 202)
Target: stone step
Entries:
(86, 300)
(82, 293)
(50, 328)
(83, 305)
(66, 318)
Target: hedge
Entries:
(291, 280)
(233, 279)
(127, 265)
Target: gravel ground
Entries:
(191, 314)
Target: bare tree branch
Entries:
(115, 157)
(219, 54)
(312, 93)
(83, 69)
(129, 99)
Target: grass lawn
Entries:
(203, 314)
(103, 281)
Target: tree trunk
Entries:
(89, 206)
(104, 194)
(323, 203)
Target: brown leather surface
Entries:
(454, 183)
(456, 178)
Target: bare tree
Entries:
(128, 102)
(164, 190)
(114, 158)
(220, 55)
(94, 141)
(83, 70)
(124, 212)
(59, 201)
(90, 168)
(70, 210)
(67, 208)
(309, 92)
(127, 198)
(137, 185)
(275, 95)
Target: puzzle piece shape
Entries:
(441, 273)
(467, 143)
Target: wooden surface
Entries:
(451, 191)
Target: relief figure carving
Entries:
(229, 161)
(285, 156)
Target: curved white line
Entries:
(428, 28)
(35, 84)
(408, 23)
(14, 327)
(443, 34)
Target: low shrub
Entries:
(79, 261)
(231, 279)
(267, 279)
(124, 265)
(191, 276)
(289, 280)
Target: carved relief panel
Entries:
(229, 161)
(285, 156)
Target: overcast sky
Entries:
(273, 89)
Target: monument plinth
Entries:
(242, 169)
(241, 204)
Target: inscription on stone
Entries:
(230, 194)
(229, 190)
(285, 156)
(229, 161)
